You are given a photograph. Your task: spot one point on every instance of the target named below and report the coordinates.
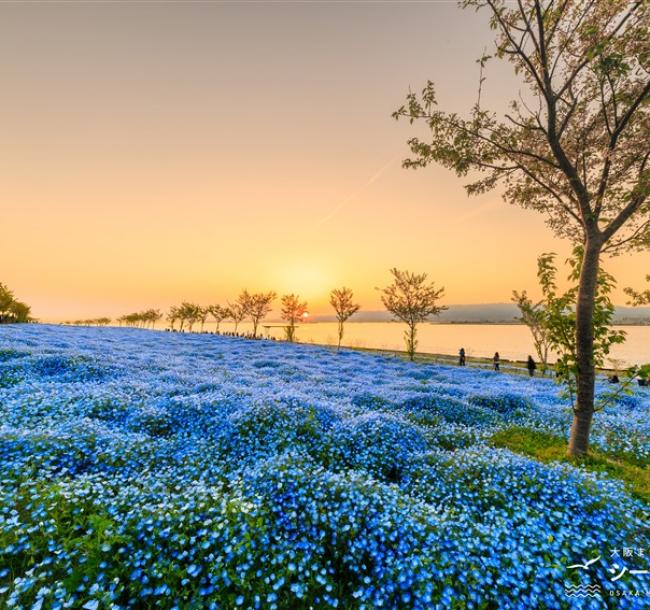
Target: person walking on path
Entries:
(531, 366)
(461, 357)
(497, 360)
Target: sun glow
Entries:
(307, 279)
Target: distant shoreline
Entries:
(642, 324)
(507, 365)
(456, 322)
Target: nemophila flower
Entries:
(193, 471)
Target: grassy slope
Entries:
(548, 448)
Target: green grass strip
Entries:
(546, 448)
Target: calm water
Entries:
(513, 342)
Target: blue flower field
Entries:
(159, 470)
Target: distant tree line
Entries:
(141, 319)
(409, 298)
(252, 306)
(90, 322)
(13, 311)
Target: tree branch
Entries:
(624, 215)
(645, 92)
(587, 59)
(633, 237)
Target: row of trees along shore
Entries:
(13, 311)
(410, 298)
(248, 306)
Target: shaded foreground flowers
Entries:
(154, 470)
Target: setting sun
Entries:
(312, 280)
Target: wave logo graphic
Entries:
(582, 590)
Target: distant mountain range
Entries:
(487, 313)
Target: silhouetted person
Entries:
(497, 360)
(461, 357)
(531, 366)
(613, 378)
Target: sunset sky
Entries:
(153, 152)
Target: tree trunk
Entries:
(586, 372)
(410, 341)
(338, 347)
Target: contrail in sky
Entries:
(488, 206)
(344, 202)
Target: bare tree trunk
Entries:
(586, 374)
(338, 347)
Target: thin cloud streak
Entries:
(480, 210)
(347, 200)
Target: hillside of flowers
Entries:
(148, 469)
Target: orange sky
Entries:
(154, 152)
